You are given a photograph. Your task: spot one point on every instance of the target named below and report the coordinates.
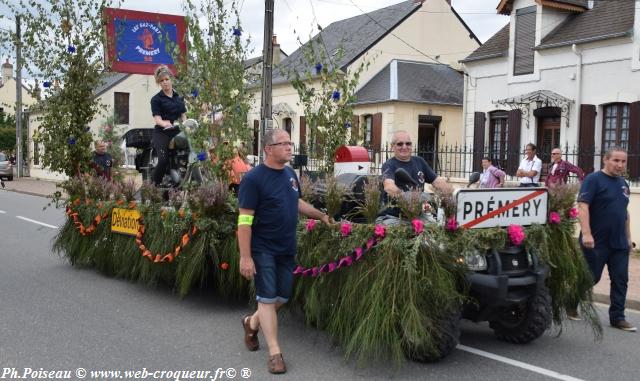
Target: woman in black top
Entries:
(167, 107)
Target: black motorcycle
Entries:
(183, 166)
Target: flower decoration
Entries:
(224, 266)
(71, 141)
(573, 213)
(452, 224)
(194, 93)
(516, 234)
(358, 251)
(87, 129)
(318, 68)
(46, 84)
(345, 229)
(71, 49)
(554, 218)
(335, 96)
(418, 226)
(347, 125)
(202, 156)
(310, 224)
(107, 128)
(379, 231)
(237, 32)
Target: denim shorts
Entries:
(274, 277)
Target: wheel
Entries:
(526, 322)
(446, 335)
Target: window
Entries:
(288, 125)
(498, 137)
(121, 108)
(368, 130)
(615, 130)
(525, 39)
(36, 153)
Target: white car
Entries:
(6, 168)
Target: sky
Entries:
(295, 19)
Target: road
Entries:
(56, 317)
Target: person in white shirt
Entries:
(530, 167)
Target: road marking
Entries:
(37, 222)
(3, 212)
(519, 364)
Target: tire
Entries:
(522, 324)
(446, 339)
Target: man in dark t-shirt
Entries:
(416, 166)
(605, 231)
(102, 161)
(269, 202)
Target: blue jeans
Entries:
(274, 277)
(617, 262)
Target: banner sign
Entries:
(137, 42)
(125, 221)
(487, 208)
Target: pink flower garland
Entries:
(452, 224)
(554, 218)
(516, 234)
(310, 224)
(573, 213)
(418, 226)
(345, 229)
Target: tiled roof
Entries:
(109, 80)
(355, 35)
(410, 81)
(496, 46)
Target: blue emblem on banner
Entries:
(144, 42)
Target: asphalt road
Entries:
(54, 317)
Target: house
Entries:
(562, 73)
(253, 66)
(8, 91)
(412, 84)
(126, 97)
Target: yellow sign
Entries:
(125, 221)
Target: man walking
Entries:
(530, 167)
(269, 202)
(560, 170)
(605, 232)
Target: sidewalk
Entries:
(37, 187)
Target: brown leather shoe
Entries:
(276, 364)
(250, 335)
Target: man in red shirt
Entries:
(560, 169)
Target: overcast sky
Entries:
(297, 18)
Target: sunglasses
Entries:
(400, 144)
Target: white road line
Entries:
(519, 364)
(37, 222)
(3, 212)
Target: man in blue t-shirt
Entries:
(269, 202)
(605, 232)
(416, 166)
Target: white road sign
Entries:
(486, 208)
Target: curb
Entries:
(26, 192)
(604, 299)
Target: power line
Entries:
(394, 35)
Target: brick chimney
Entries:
(7, 71)
(277, 54)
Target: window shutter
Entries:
(355, 128)
(586, 142)
(479, 119)
(376, 138)
(256, 136)
(634, 140)
(513, 147)
(303, 134)
(524, 40)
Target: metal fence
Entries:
(460, 161)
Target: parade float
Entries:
(379, 291)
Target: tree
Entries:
(63, 40)
(328, 109)
(7, 132)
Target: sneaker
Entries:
(250, 335)
(276, 364)
(624, 325)
(572, 314)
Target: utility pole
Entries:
(18, 99)
(266, 122)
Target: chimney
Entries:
(7, 71)
(276, 50)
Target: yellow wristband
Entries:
(245, 219)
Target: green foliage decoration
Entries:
(326, 93)
(63, 43)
